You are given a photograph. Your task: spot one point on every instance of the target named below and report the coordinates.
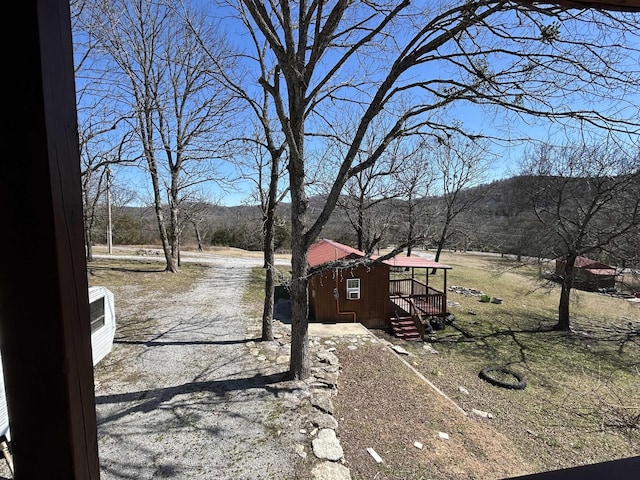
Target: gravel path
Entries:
(196, 401)
(189, 392)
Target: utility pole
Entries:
(109, 228)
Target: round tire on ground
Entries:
(518, 384)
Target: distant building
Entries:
(589, 274)
(390, 293)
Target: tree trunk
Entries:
(410, 233)
(170, 266)
(174, 237)
(268, 231)
(565, 295)
(299, 363)
(299, 366)
(360, 227)
(563, 309)
(87, 241)
(360, 239)
(269, 283)
(198, 237)
(179, 259)
(267, 311)
(443, 238)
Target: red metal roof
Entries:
(601, 271)
(592, 266)
(584, 262)
(324, 251)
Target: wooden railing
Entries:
(413, 293)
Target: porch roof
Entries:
(415, 262)
(324, 251)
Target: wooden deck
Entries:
(412, 303)
(408, 294)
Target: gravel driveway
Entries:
(189, 392)
(193, 398)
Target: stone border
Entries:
(318, 389)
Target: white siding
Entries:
(4, 416)
(102, 339)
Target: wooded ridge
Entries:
(501, 220)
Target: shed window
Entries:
(353, 288)
(96, 314)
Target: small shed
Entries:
(103, 322)
(589, 274)
(391, 293)
(103, 328)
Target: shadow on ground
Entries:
(151, 399)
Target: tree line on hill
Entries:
(500, 220)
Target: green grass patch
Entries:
(254, 291)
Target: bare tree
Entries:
(263, 143)
(266, 174)
(366, 196)
(102, 140)
(408, 65)
(461, 163)
(95, 165)
(587, 200)
(194, 210)
(178, 106)
(195, 213)
(415, 179)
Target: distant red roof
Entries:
(584, 262)
(592, 266)
(324, 251)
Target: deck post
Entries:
(413, 279)
(44, 310)
(426, 279)
(444, 294)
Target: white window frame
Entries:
(96, 314)
(353, 289)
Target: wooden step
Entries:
(405, 329)
(402, 323)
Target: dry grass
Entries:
(582, 401)
(147, 274)
(382, 404)
(581, 404)
(254, 293)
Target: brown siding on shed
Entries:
(371, 310)
(589, 274)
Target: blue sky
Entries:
(475, 118)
